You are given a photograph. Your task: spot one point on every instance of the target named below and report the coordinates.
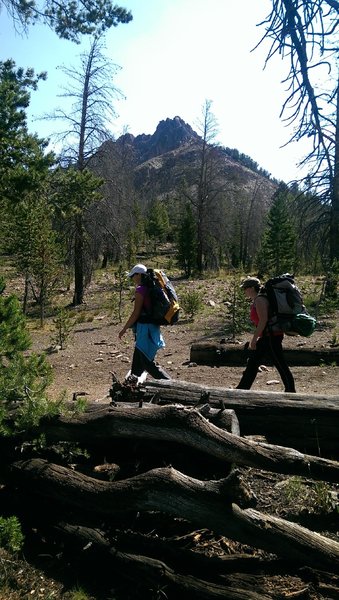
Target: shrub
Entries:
(63, 324)
(191, 302)
(11, 536)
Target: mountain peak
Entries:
(169, 135)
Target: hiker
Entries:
(148, 337)
(264, 341)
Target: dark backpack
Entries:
(287, 311)
(164, 300)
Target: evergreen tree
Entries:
(157, 225)
(187, 242)
(74, 191)
(24, 171)
(37, 250)
(23, 377)
(69, 18)
(278, 249)
(22, 156)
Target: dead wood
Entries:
(306, 422)
(206, 504)
(213, 353)
(244, 573)
(164, 489)
(156, 572)
(181, 426)
(189, 428)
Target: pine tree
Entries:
(187, 242)
(157, 225)
(278, 249)
(23, 378)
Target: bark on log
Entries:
(248, 574)
(189, 428)
(163, 489)
(156, 572)
(309, 423)
(152, 570)
(214, 353)
(203, 503)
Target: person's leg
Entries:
(156, 371)
(276, 351)
(253, 363)
(137, 367)
(141, 363)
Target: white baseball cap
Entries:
(139, 268)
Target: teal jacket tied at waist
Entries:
(148, 339)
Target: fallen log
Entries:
(308, 423)
(183, 575)
(188, 428)
(203, 503)
(245, 573)
(214, 353)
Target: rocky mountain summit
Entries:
(163, 160)
(169, 135)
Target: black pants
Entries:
(270, 345)
(141, 363)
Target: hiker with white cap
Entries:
(148, 337)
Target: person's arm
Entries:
(261, 306)
(134, 316)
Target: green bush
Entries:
(237, 313)
(63, 324)
(191, 302)
(11, 536)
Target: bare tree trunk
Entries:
(78, 296)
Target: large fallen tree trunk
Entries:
(309, 423)
(186, 427)
(213, 353)
(203, 503)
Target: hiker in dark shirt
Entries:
(148, 337)
(264, 341)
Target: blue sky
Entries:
(174, 55)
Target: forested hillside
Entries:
(107, 202)
(155, 183)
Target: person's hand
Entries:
(253, 344)
(121, 333)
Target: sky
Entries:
(172, 57)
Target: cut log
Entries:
(189, 428)
(308, 423)
(214, 353)
(203, 503)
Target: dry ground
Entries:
(94, 349)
